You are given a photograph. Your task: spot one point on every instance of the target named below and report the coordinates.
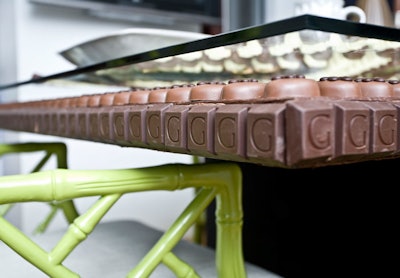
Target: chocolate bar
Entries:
(290, 121)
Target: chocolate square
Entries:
(72, 125)
(396, 104)
(309, 132)
(18, 119)
(132, 124)
(93, 123)
(266, 133)
(383, 136)
(200, 127)
(27, 120)
(6, 120)
(82, 131)
(54, 124)
(176, 128)
(104, 118)
(119, 127)
(155, 120)
(62, 122)
(230, 131)
(44, 122)
(352, 128)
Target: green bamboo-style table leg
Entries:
(59, 150)
(221, 181)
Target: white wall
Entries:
(40, 33)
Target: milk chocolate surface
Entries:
(339, 87)
(291, 86)
(176, 128)
(310, 131)
(242, 89)
(139, 97)
(206, 92)
(352, 129)
(274, 123)
(265, 133)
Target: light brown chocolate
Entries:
(396, 87)
(339, 87)
(200, 129)
(139, 97)
(375, 87)
(106, 99)
(121, 98)
(266, 133)
(158, 95)
(155, 125)
(178, 94)
(242, 90)
(291, 86)
(206, 92)
(94, 100)
(176, 128)
(230, 125)
(309, 132)
(352, 129)
(281, 131)
(383, 116)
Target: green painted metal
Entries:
(50, 149)
(222, 181)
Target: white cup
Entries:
(329, 8)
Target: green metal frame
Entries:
(222, 181)
(57, 149)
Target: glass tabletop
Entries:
(307, 45)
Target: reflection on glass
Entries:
(311, 53)
(305, 45)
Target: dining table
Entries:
(318, 199)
